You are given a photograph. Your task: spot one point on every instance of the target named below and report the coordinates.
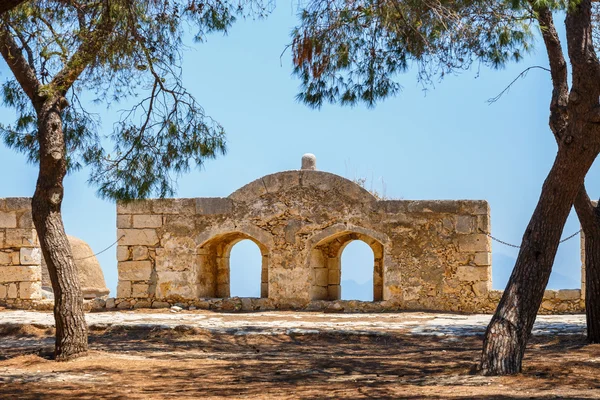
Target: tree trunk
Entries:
(507, 334)
(589, 217)
(71, 328)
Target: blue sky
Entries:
(443, 143)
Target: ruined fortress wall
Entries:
(431, 255)
(20, 255)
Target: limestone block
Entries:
(110, 303)
(160, 304)
(12, 291)
(18, 203)
(142, 237)
(495, 294)
(264, 289)
(123, 289)
(214, 206)
(5, 258)
(30, 290)
(321, 276)
(135, 207)
(140, 253)
(473, 243)
(472, 274)
(3, 292)
(481, 288)
(483, 223)
(547, 305)
(20, 238)
(335, 292)
(147, 221)
(179, 225)
(124, 221)
(16, 257)
(2, 235)
(549, 294)
(122, 253)
(140, 290)
(465, 223)
(30, 256)
(568, 294)
(25, 220)
(8, 220)
(483, 259)
(20, 273)
(135, 270)
(334, 276)
(174, 206)
(320, 293)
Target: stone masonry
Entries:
(20, 255)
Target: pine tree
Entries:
(112, 49)
(348, 51)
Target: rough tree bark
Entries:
(589, 217)
(71, 328)
(559, 121)
(578, 145)
(7, 5)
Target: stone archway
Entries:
(325, 264)
(214, 271)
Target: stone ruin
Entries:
(24, 279)
(428, 255)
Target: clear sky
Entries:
(443, 143)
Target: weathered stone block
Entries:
(472, 274)
(3, 291)
(140, 290)
(140, 253)
(20, 273)
(320, 293)
(214, 206)
(473, 243)
(25, 220)
(335, 292)
(30, 256)
(334, 276)
(124, 221)
(20, 238)
(122, 253)
(5, 258)
(174, 206)
(321, 276)
(142, 237)
(135, 207)
(18, 203)
(466, 223)
(549, 294)
(483, 259)
(481, 289)
(135, 270)
(147, 221)
(8, 220)
(30, 290)
(123, 289)
(568, 294)
(13, 291)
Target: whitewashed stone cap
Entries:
(309, 161)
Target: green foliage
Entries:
(351, 51)
(119, 51)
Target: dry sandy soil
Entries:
(143, 362)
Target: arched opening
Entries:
(246, 275)
(356, 272)
(245, 267)
(326, 265)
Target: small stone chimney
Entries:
(309, 162)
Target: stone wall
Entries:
(428, 255)
(20, 255)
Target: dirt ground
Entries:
(192, 363)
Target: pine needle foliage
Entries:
(118, 51)
(353, 51)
